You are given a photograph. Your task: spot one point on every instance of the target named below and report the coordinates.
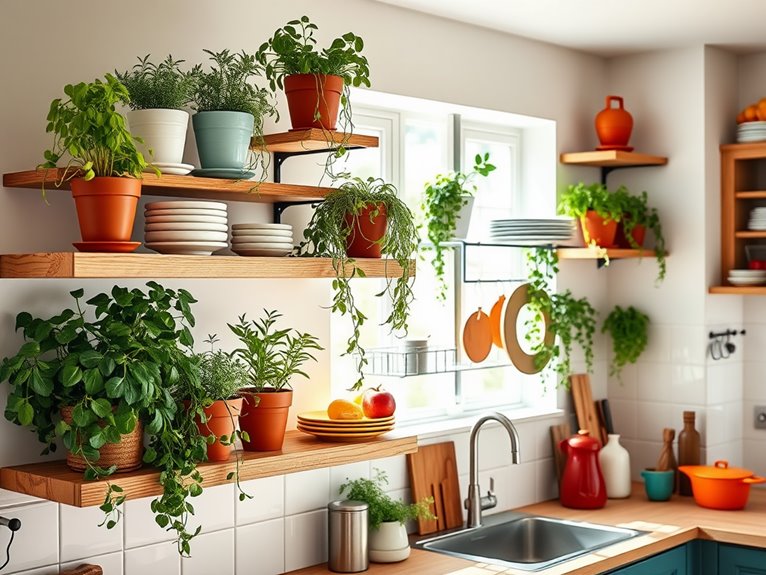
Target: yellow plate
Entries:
(342, 437)
(345, 429)
(322, 417)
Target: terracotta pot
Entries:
(106, 207)
(126, 455)
(264, 418)
(719, 486)
(363, 241)
(638, 233)
(614, 125)
(221, 420)
(313, 100)
(595, 228)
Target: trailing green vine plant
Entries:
(572, 320)
(443, 199)
(629, 329)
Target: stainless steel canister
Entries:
(348, 536)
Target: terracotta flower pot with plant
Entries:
(638, 218)
(103, 162)
(271, 357)
(316, 82)
(331, 231)
(598, 210)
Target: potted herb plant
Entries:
(386, 516)
(447, 205)
(115, 361)
(271, 357)
(364, 218)
(158, 94)
(572, 320)
(316, 82)
(230, 109)
(598, 210)
(102, 161)
(629, 330)
(637, 218)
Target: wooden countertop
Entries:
(668, 524)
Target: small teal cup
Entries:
(658, 484)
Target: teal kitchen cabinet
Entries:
(736, 560)
(673, 562)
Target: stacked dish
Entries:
(533, 231)
(318, 424)
(751, 132)
(747, 277)
(757, 219)
(262, 239)
(186, 227)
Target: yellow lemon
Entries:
(344, 409)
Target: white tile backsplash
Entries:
(395, 469)
(307, 491)
(81, 535)
(262, 545)
(214, 509)
(343, 473)
(211, 553)
(36, 544)
(111, 564)
(267, 500)
(140, 526)
(159, 558)
(652, 418)
(306, 538)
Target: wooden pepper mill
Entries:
(667, 459)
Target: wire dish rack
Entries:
(401, 362)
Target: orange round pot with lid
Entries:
(719, 486)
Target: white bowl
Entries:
(748, 273)
(259, 238)
(185, 204)
(186, 248)
(260, 252)
(186, 212)
(259, 226)
(263, 245)
(186, 236)
(262, 232)
(201, 226)
(152, 219)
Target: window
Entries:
(417, 141)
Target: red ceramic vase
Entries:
(582, 484)
(614, 125)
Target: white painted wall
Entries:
(46, 45)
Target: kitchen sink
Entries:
(526, 542)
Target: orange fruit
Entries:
(344, 409)
(751, 113)
(740, 117)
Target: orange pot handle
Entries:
(721, 464)
(618, 99)
(754, 479)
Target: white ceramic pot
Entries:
(615, 465)
(163, 132)
(388, 543)
(464, 220)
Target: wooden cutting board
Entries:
(558, 434)
(433, 473)
(587, 416)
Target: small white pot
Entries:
(388, 543)
(464, 219)
(163, 132)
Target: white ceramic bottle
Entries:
(615, 465)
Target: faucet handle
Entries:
(491, 486)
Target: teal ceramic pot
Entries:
(223, 138)
(658, 484)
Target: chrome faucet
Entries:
(475, 503)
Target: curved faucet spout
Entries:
(475, 502)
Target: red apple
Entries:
(377, 402)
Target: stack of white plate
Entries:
(757, 219)
(262, 239)
(533, 231)
(751, 132)
(196, 228)
(747, 277)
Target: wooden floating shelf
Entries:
(738, 290)
(750, 235)
(612, 159)
(312, 140)
(56, 482)
(185, 187)
(751, 195)
(109, 265)
(597, 254)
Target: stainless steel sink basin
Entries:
(527, 542)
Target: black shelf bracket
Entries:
(279, 207)
(605, 171)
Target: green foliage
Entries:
(629, 329)
(326, 236)
(272, 356)
(636, 212)
(88, 129)
(119, 360)
(443, 198)
(162, 85)
(572, 320)
(579, 198)
(221, 374)
(381, 506)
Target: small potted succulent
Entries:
(386, 516)
(158, 94)
(315, 82)
(447, 205)
(364, 219)
(598, 210)
(271, 358)
(629, 329)
(102, 161)
(230, 110)
(636, 219)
